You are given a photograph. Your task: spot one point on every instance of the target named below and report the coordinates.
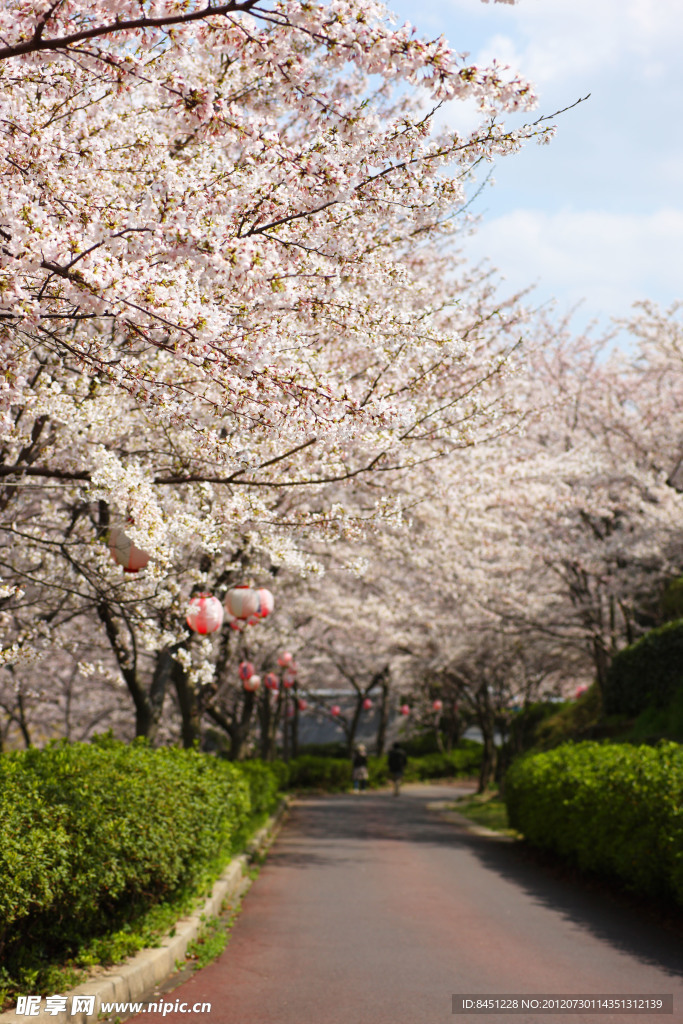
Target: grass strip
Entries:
(488, 810)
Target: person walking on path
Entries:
(360, 768)
(397, 762)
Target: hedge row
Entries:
(333, 773)
(90, 834)
(609, 808)
(648, 673)
(95, 838)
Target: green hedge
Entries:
(93, 834)
(672, 600)
(465, 760)
(313, 771)
(647, 673)
(101, 842)
(609, 808)
(334, 774)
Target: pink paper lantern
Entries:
(271, 681)
(580, 690)
(302, 705)
(367, 704)
(437, 705)
(252, 684)
(204, 614)
(335, 710)
(405, 710)
(241, 602)
(124, 552)
(266, 603)
(245, 671)
(285, 659)
(288, 679)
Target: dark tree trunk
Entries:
(237, 727)
(21, 720)
(487, 771)
(383, 718)
(438, 735)
(164, 671)
(189, 707)
(601, 661)
(454, 728)
(269, 718)
(285, 725)
(275, 719)
(353, 727)
(241, 727)
(295, 723)
(486, 720)
(264, 714)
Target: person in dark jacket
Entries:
(397, 762)
(360, 768)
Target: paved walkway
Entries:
(372, 910)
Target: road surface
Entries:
(373, 910)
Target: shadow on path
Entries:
(652, 934)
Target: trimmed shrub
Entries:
(336, 748)
(525, 723)
(334, 774)
(91, 835)
(465, 760)
(647, 673)
(580, 719)
(610, 808)
(424, 743)
(310, 771)
(655, 724)
(672, 600)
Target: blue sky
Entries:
(597, 217)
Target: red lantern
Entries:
(284, 659)
(405, 710)
(288, 679)
(241, 602)
(335, 710)
(246, 670)
(266, 603)
(271, 681)
(302, 705)
(124, 552)
(580, 690)
(437, 705)
(367, 704)
(252, 684)
(204, 614)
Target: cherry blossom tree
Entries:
(232, 319)
(200, 203)
(577, 525)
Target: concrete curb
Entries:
(136, 979)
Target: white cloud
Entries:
(607, 260)
(565, 40)
(598, 215)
